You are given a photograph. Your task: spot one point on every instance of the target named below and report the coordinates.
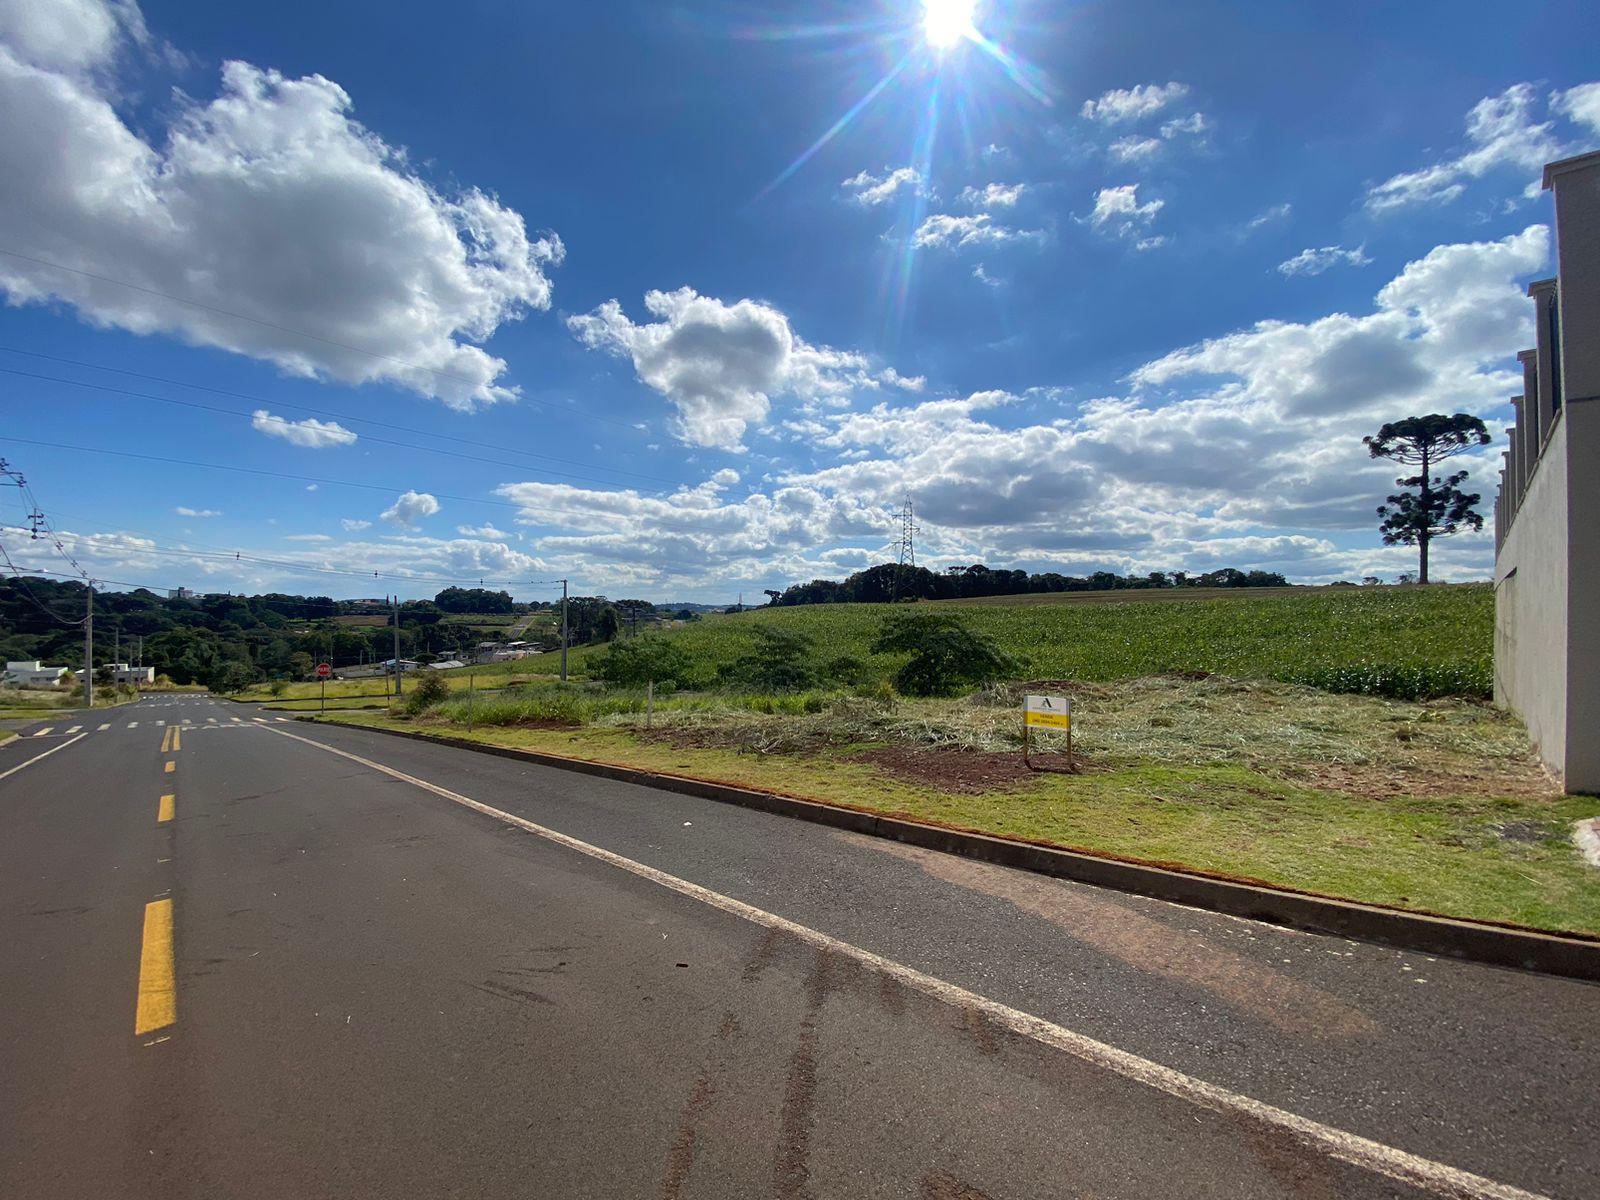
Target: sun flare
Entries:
(945, 23)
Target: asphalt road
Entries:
(590, 989)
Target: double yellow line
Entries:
(157, 1004)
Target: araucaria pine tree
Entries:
(1432, 505)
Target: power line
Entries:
(322, 412)
(211, 308)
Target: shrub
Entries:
(277, 688)
(427, 691)
(946, 656)
(776, 661)
(639, 661)
(846, 669)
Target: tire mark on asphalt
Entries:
(681, 1159)
(791, 1167)
(941, 1185)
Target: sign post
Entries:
(1045, 712)
(323, 671)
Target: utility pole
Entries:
(398, 689)
(88, 649)
(564, 631)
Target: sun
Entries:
(946, 23)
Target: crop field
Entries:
(1407, 643)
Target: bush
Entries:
(776, 661)
(946, 656)
(639, 661)
(846, 669)
(278, 687)
(427, 691)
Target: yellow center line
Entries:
(171, 766)
(177, 738)
(164, 812)
(166, 740)
(158, 985)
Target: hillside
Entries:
(1408, 641)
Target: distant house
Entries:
(448, 664)
(135, 675)
(406, 664)
(32, 674)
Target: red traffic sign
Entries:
(324, 670)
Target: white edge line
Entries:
(46, 754)
(1436, 1177)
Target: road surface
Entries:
(248, 957)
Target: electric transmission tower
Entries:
(905, 547)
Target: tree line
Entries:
(888, 582)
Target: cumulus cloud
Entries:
(721, 364)
(1580, 104)
(1315, 262)
(482, 531)
(185, 511)
(350, 525)
(1121, 105)
(1243, 449)
(1501, 134)
(871, 190)
(410, 508)
(1134, 148)
(950, 232)
(1117, 210)
(310, 433)
(993, 195)
(387, 276)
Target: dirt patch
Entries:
(1379, 781)
(967, 771)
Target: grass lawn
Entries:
(1436, 806)
(1406, 641)
(346, 689)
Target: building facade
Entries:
(1547, 514)
(32, 673)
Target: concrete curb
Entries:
(1572, 956)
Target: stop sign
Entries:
(324, 670)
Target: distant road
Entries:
(310, 962)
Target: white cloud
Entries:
(993, 195)
(307, 537)
(1121, 105)
(1580, 104)
(387, 277)
(983, 277)
(1501, 133)
(1151, 243)
(950, 232)
(352, 526)
(1134, 148)
(184, 511)
(1278, 212)
(1117, 210)
(1315, 262)
(310, 433)
(410, 508)
(1195, 124)
(482, 531)
(721, 364)
(870, 190)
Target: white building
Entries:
(135, 675)
(32, 674)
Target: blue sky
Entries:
(680, 300)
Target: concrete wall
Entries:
(1530, 606)
(1582, 419)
